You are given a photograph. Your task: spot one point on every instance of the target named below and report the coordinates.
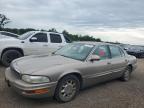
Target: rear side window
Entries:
(115, 51)
(41, 37)
(55, 38)
(103, 52)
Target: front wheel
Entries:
(9, 55)
(67, 88)
(127, 74)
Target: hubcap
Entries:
(68, 89)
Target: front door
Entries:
(37, 44)
(98, 71)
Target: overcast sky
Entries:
(110, 20)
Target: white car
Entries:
(30, 43)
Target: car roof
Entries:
(95, 43)
(38, 31)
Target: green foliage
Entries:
(17, 31)
(53, 30)
(73, 37)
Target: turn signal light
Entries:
(37, 91)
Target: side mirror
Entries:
(33, 39)
(125, 48)
(94, 58)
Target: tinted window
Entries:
(41, 37)
(115, 51)
(103, 52)
(55, 38)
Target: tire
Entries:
(9, 55)
(67, 88)
(127, 74)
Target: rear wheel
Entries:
(9, 55)
(67, 88)
(127, 74)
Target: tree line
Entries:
(74, 37)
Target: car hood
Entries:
(34, 64)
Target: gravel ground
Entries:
(113, 94)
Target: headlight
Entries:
(35, 79)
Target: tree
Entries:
(53, 30)
(3, 21)
(72, 37)
(75, 37)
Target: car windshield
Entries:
(78, 51)
(25, 35)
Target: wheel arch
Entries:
(77, 74)
(12, 48)
(131, 66)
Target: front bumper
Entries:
(27, 89)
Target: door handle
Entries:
(60, 46)
(108, 63)
(45, 45)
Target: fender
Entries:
(69, 72)
(14, 48)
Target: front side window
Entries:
(55, 38)
(115, 51)
(40, 37)
(102, 52)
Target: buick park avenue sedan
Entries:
(71, 68)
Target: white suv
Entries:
(30, 43)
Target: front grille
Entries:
(15, 73)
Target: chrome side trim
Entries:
(104, 73)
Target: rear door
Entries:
(118, 60)
(56, 42)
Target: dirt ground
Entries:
(113, 94)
